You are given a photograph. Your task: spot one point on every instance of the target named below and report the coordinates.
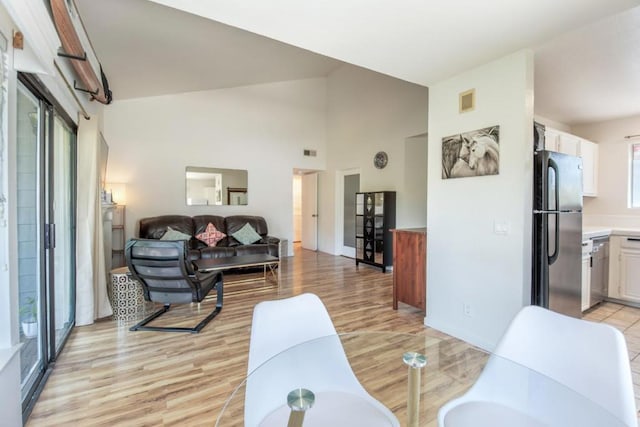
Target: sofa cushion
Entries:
(211, 235)
(155, 227)
(234, 223)
(172, 234)
(246, 235)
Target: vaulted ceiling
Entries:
(587, 58)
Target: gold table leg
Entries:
(415, 362)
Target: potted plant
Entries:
(29, 313)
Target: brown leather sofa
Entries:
(155, 227)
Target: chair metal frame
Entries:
(188, 274)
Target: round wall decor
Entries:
(380, 160)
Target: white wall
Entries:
(367, 112)
(412, 205)
(467, 263)
(10, 407)
(261, 128)
(611, 207)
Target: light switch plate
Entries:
(501, 228)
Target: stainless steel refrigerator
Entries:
(557, 232)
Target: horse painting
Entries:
(474, 153)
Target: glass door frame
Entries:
(49, 110)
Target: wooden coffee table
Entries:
(226, 263)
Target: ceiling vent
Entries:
(310, 153)
(467, 100)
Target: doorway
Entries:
(297, 208)
(348, 185)
(309, 211)
(46, 183)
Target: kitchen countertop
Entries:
(590, 232)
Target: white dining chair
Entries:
(540, 363)
(319, 365)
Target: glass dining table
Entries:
(381, 362)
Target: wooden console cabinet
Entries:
(410, 267)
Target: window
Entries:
(634, 175)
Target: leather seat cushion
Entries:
(216, 252)
(252, 249)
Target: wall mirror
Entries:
(214, 186)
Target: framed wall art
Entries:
(474, 153)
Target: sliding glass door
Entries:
(30, 262)
(46, 233)
(61, 257)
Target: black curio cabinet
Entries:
(375, 217)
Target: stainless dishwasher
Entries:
(599, 270)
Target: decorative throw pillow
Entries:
(246, 235)
(211, 235)
(172, 234)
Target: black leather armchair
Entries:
(167, 276)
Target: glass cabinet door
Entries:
(359, 226)
(359, 204)
(379, 210)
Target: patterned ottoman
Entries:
(126, 296)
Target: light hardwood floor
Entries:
(109, 376)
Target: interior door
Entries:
(310, 211)
(351, 185)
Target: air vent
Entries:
(467, 100)
(310, 153)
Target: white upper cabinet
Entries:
(589, 154)
(551, 139)
(566, 143)
(569, 144)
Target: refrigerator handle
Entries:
(554, 255)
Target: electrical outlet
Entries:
(466, 309)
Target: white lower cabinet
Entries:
(587, 247)
(625, 268)
(586, 280)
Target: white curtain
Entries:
(91, 281)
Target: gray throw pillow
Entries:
(246, 235)
(172, 234)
